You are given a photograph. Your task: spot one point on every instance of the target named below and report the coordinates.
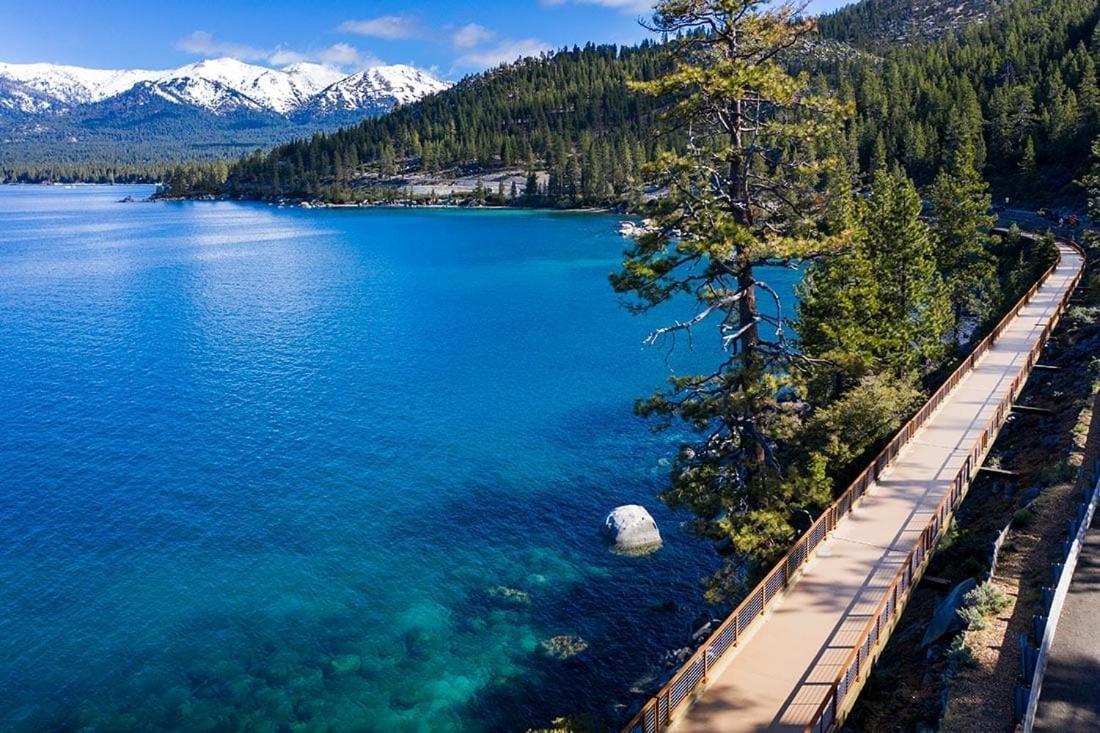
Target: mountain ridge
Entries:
(209, 108)
(282, 91)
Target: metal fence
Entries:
(659, 710)
(1045, 623)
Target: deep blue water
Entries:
(261, 467)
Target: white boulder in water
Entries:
(632, 529)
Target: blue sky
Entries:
(451, 37)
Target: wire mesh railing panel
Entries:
(751, 610)
(817, 533)
(689, 677)
(722, 641)
(797, 557)
(775, 582)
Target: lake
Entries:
(262, 468)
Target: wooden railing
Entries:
(659, 710)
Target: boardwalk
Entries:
(784, 666)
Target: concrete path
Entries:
(780, 673)
(1070, 696)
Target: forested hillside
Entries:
(1021, 84)
(53, 172)
(876, 23)
(572, 114)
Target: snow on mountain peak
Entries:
(71, 85)
(315, 77)
(377, 87)
(217, 85)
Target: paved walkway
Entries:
(783, 670)
(1070, 697)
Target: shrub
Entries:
(1023, 517)
(1055, 473)
(981, 603)
(1082, 316)
(959, 654)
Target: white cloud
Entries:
(471, 35)
(202, 43)
(342, 54)
(389, 27)
(286, 57)
(632, 6)
(504, 52)
(339, 55)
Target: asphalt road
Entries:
(1029, 220)
(1070, 697)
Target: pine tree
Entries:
(914, 310)
(961, 222)
(746, 191)
(1091, 183)
(1088, 97)
(1028, 165)
(839, 322)
(531, 189)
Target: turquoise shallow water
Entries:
(260, 468)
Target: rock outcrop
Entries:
(946, 619)
(632, 529)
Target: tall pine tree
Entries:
(961, 222)
(749, 188)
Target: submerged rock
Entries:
(344, 664)
(702, 627)
(666, 607)
(563, 647)
(307, 680)
(632, 530)
(513, 596)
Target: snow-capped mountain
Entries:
(18, 98)
(213, 108)
(279, 90)
(381, 88)
(67, 86)
(219, 86)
